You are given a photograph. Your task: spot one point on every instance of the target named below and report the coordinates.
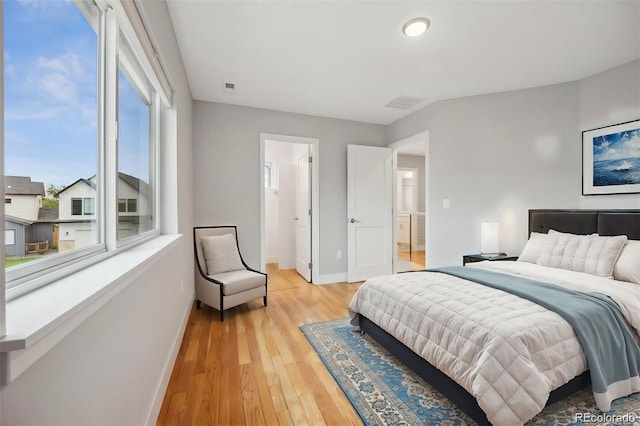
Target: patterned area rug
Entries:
(385, 392)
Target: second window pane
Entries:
(134, 201)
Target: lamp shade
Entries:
(489, 237)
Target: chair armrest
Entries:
(249, 268)
(257, 272)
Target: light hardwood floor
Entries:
(257, 368)
(416, 257)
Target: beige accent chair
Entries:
(225, 290)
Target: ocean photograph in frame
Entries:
(611, 159)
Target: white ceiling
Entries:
(347, 59)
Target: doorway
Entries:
(409, 219)
(289, 207)
(410, 202)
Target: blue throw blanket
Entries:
(611, 351)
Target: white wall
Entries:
(607, 98)
(112, 368)
(495, 156)
(227, 163)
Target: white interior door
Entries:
(303, 212)
(369, 209)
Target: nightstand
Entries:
(470, 258)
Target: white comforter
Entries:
(508, 352)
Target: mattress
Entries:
(508, 352)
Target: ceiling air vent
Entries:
(403, 102)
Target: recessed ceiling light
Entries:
(415, 27)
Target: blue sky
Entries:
(50, 96)
(617, 146)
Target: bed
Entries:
(544, 361)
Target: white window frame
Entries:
(109, 18)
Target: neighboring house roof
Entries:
(22, 185)
(137, 184)
(86, 181)
(48, 214)
(17, 220)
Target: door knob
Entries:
(295, 218)
(352, 220)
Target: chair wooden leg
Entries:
(197, 304)
(265, 300)
(221, 315)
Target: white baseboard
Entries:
(271, 259)
(330, 278)
(152, 418)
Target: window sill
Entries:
(37, 321)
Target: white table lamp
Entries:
(489, 237)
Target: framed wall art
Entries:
(611, 159)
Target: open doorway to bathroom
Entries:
(289, 207)
(411, 176)
(410, 217)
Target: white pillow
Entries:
(533, 248)
(627, 267)
(221, 254)
(592, 254)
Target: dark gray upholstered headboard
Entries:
(583, 222)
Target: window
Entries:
(270, 175)
(9, 237)
(267, 175)
(82, 206)
(132, 205)
(127, 205)
(76, 206)
(51, 109)
(82, 113)
(87, 206)
(135, 146)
